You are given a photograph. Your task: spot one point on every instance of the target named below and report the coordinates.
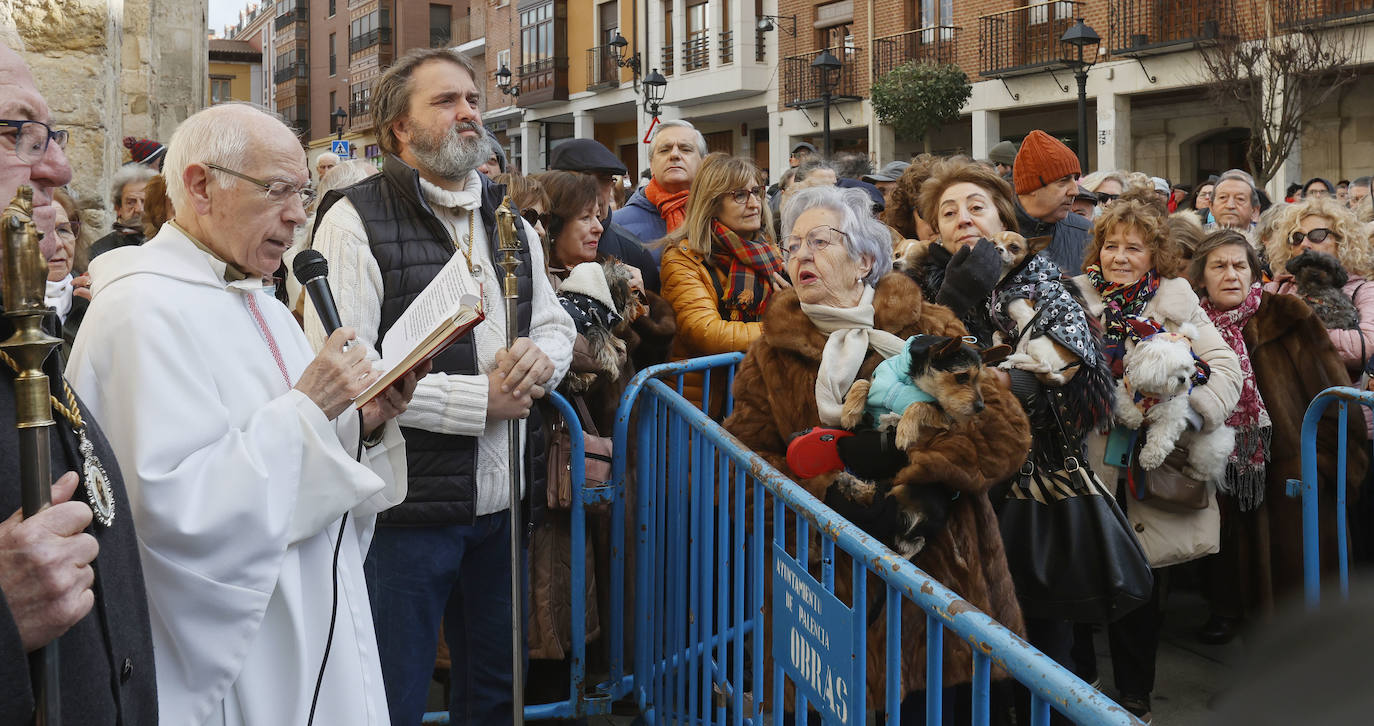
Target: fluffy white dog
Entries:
(1159, 373)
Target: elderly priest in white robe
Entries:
(238, 443)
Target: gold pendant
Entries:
(98, 489)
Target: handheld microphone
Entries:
(312, 272)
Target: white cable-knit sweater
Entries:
(444, 403)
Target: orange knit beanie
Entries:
(1042, 159)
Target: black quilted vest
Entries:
(411, 245)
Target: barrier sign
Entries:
(813, 639)
(341, 148)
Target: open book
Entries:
(445, 311)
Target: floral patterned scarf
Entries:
(743, 270)
(1120, 303)
(1244, 478)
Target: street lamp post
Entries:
(339, 116)
(1081, 36)
(828, 66)
(503, 82)
(655, 85)
(618, 45)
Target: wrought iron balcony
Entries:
(295, 71)
(543, 81)
(1146, 27)
(1026, 39)
(1291, 13)
(376, 36)
(301, 13)
(803, 87)
(602, 72)
(358, 109)
(727, 47)
(696, 53)
(667, 60)
(935, 44)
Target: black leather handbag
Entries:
(1070, 549)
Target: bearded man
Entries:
(443, 554)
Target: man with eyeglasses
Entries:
(64, 578)
(1045, 176)
(588, 156)
(443, 555)
(254, 479)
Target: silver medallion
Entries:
(98, 489)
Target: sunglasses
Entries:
(1317, 236)
(1103, 197)
(535, 218)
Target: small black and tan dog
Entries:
(921, 393)
(1319, 278)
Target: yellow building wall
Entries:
(581, 36)
(627, 29)
(240, 88)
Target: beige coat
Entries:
(1169, 537)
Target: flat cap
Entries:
(586, 155)
(1003, 153)
(891, 171)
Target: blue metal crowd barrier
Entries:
(702, 551)
(1308, 489)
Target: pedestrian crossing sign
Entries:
(340, 147)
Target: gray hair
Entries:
(346, 174)
(391, 94)
(852, 165)
(1240, 175)
(1363, 181)
(864, 236)
(221, 134)
(679, 124)
(327, 156)
(128, 174)
(805, 168)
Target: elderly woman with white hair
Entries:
(845, 313)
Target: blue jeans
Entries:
(417, 576)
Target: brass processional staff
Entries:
(509, 246)
(25, 273)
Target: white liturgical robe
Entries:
(237, 484)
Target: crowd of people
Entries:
(256, 553)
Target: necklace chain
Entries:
(467, 249)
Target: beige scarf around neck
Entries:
(851, 334)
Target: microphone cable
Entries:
(334, 607)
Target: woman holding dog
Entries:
(1131, 273)
(1323, 225)
(721, 268)
(846, 313)
(1287, 359)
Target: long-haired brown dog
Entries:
(935, 382)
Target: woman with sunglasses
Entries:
(721, 267)
(1323, 225)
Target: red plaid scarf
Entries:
(743, 270)
(1246, 468)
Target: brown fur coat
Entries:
(1294, 360)
(775, 396)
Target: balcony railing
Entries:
(543, 81)
(667, 60)
(357, 109)
(298, 71)
(301, 13)
(1143, 27)
(1292, 13)
(1026, 39)
(802, 85)
(696, 53)
(925, 45)
(727, 47)
(602, 72)
(376, 36)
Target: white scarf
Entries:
(851, 334)
(58, 295)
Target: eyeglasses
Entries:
(535, 218)
(817, 239)
(31, 138)
(277, 191)
(1317, 236)
(741, 196)
(1103, 197)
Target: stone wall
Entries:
(110, 70)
